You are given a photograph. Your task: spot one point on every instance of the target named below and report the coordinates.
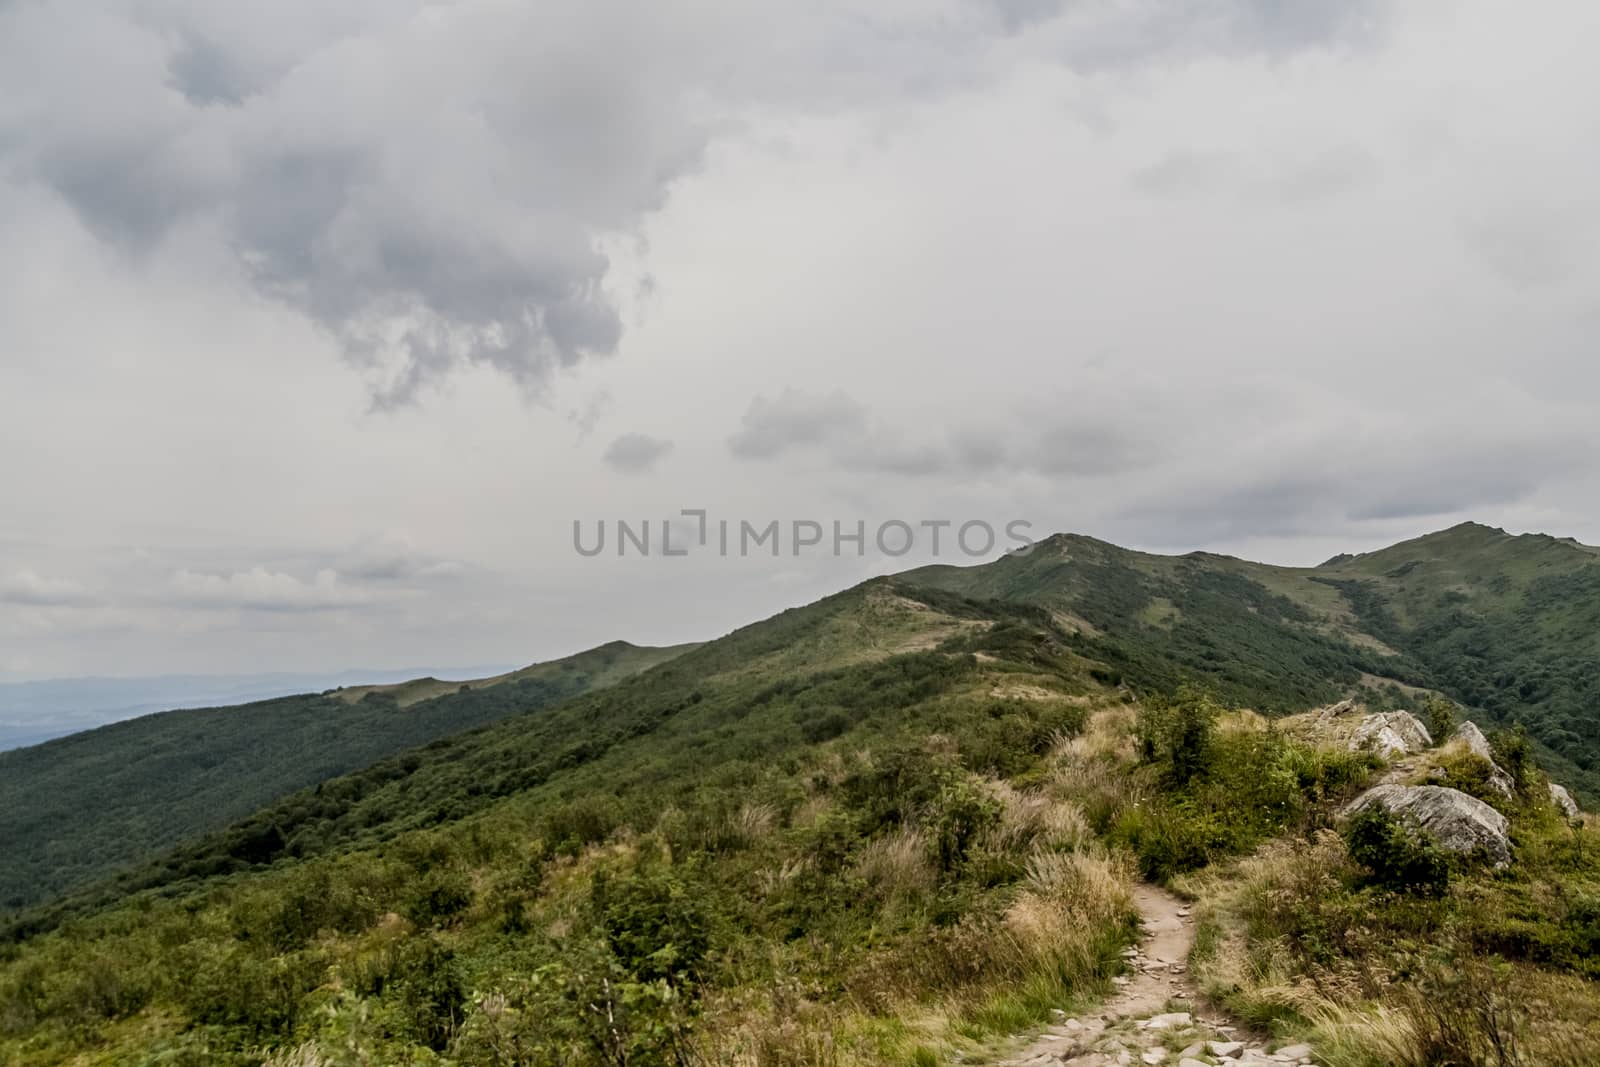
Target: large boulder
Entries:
(1391, 733)
(1455, 820)
(1477, 744)
(1564, 802)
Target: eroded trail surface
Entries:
(1153, 1018)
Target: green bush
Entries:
(1513, 751)
(1177, 733)
(1394, 856)
(588, 820)
(1441, 715)
(655, 924)
(439, 898)
(959, 813)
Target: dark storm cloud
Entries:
(636, 453)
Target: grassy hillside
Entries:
(77, 808)
(1508, 626)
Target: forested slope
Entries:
(77, 808)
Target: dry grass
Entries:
(898, 866)
(950, 991)
(307, 1055)
(1366, 1001)
(1034, 818)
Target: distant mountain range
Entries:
(31, 712)
(157, 780)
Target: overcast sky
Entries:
(320, 324)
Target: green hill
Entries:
(75, 809)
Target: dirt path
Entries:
(1152, 1018)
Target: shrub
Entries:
(428, 994)
(656, 926)
(1441, 715)
(1394, 856)
(1178, 733)
(439, 898)
(1514, 752)
(960, 813)
(588, 820)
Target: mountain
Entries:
(33, 712)
(1508, 626)
(77, 808)
(901, 825)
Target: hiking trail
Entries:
(1140, 1024)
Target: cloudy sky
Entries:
(320, 324)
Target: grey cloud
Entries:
(1334, 171)
(795, 420)
(636, 453)
(1019, 14)
(1304, 492)
(1182, 172)
(433, 184)
(27, 588)
(1100, 35)
(1529, 253)
(432, 189)
(205, 74)
(1069, 441)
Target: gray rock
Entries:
(1293, 1052)
(1564, 802)
(1391, 733)
(1228, 1050)
(1333, 711)
(1469, 734)
(1456, 821)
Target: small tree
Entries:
(1178, 732)
(1441, 719)
(1514, 752)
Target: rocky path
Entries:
(1152, 1018)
